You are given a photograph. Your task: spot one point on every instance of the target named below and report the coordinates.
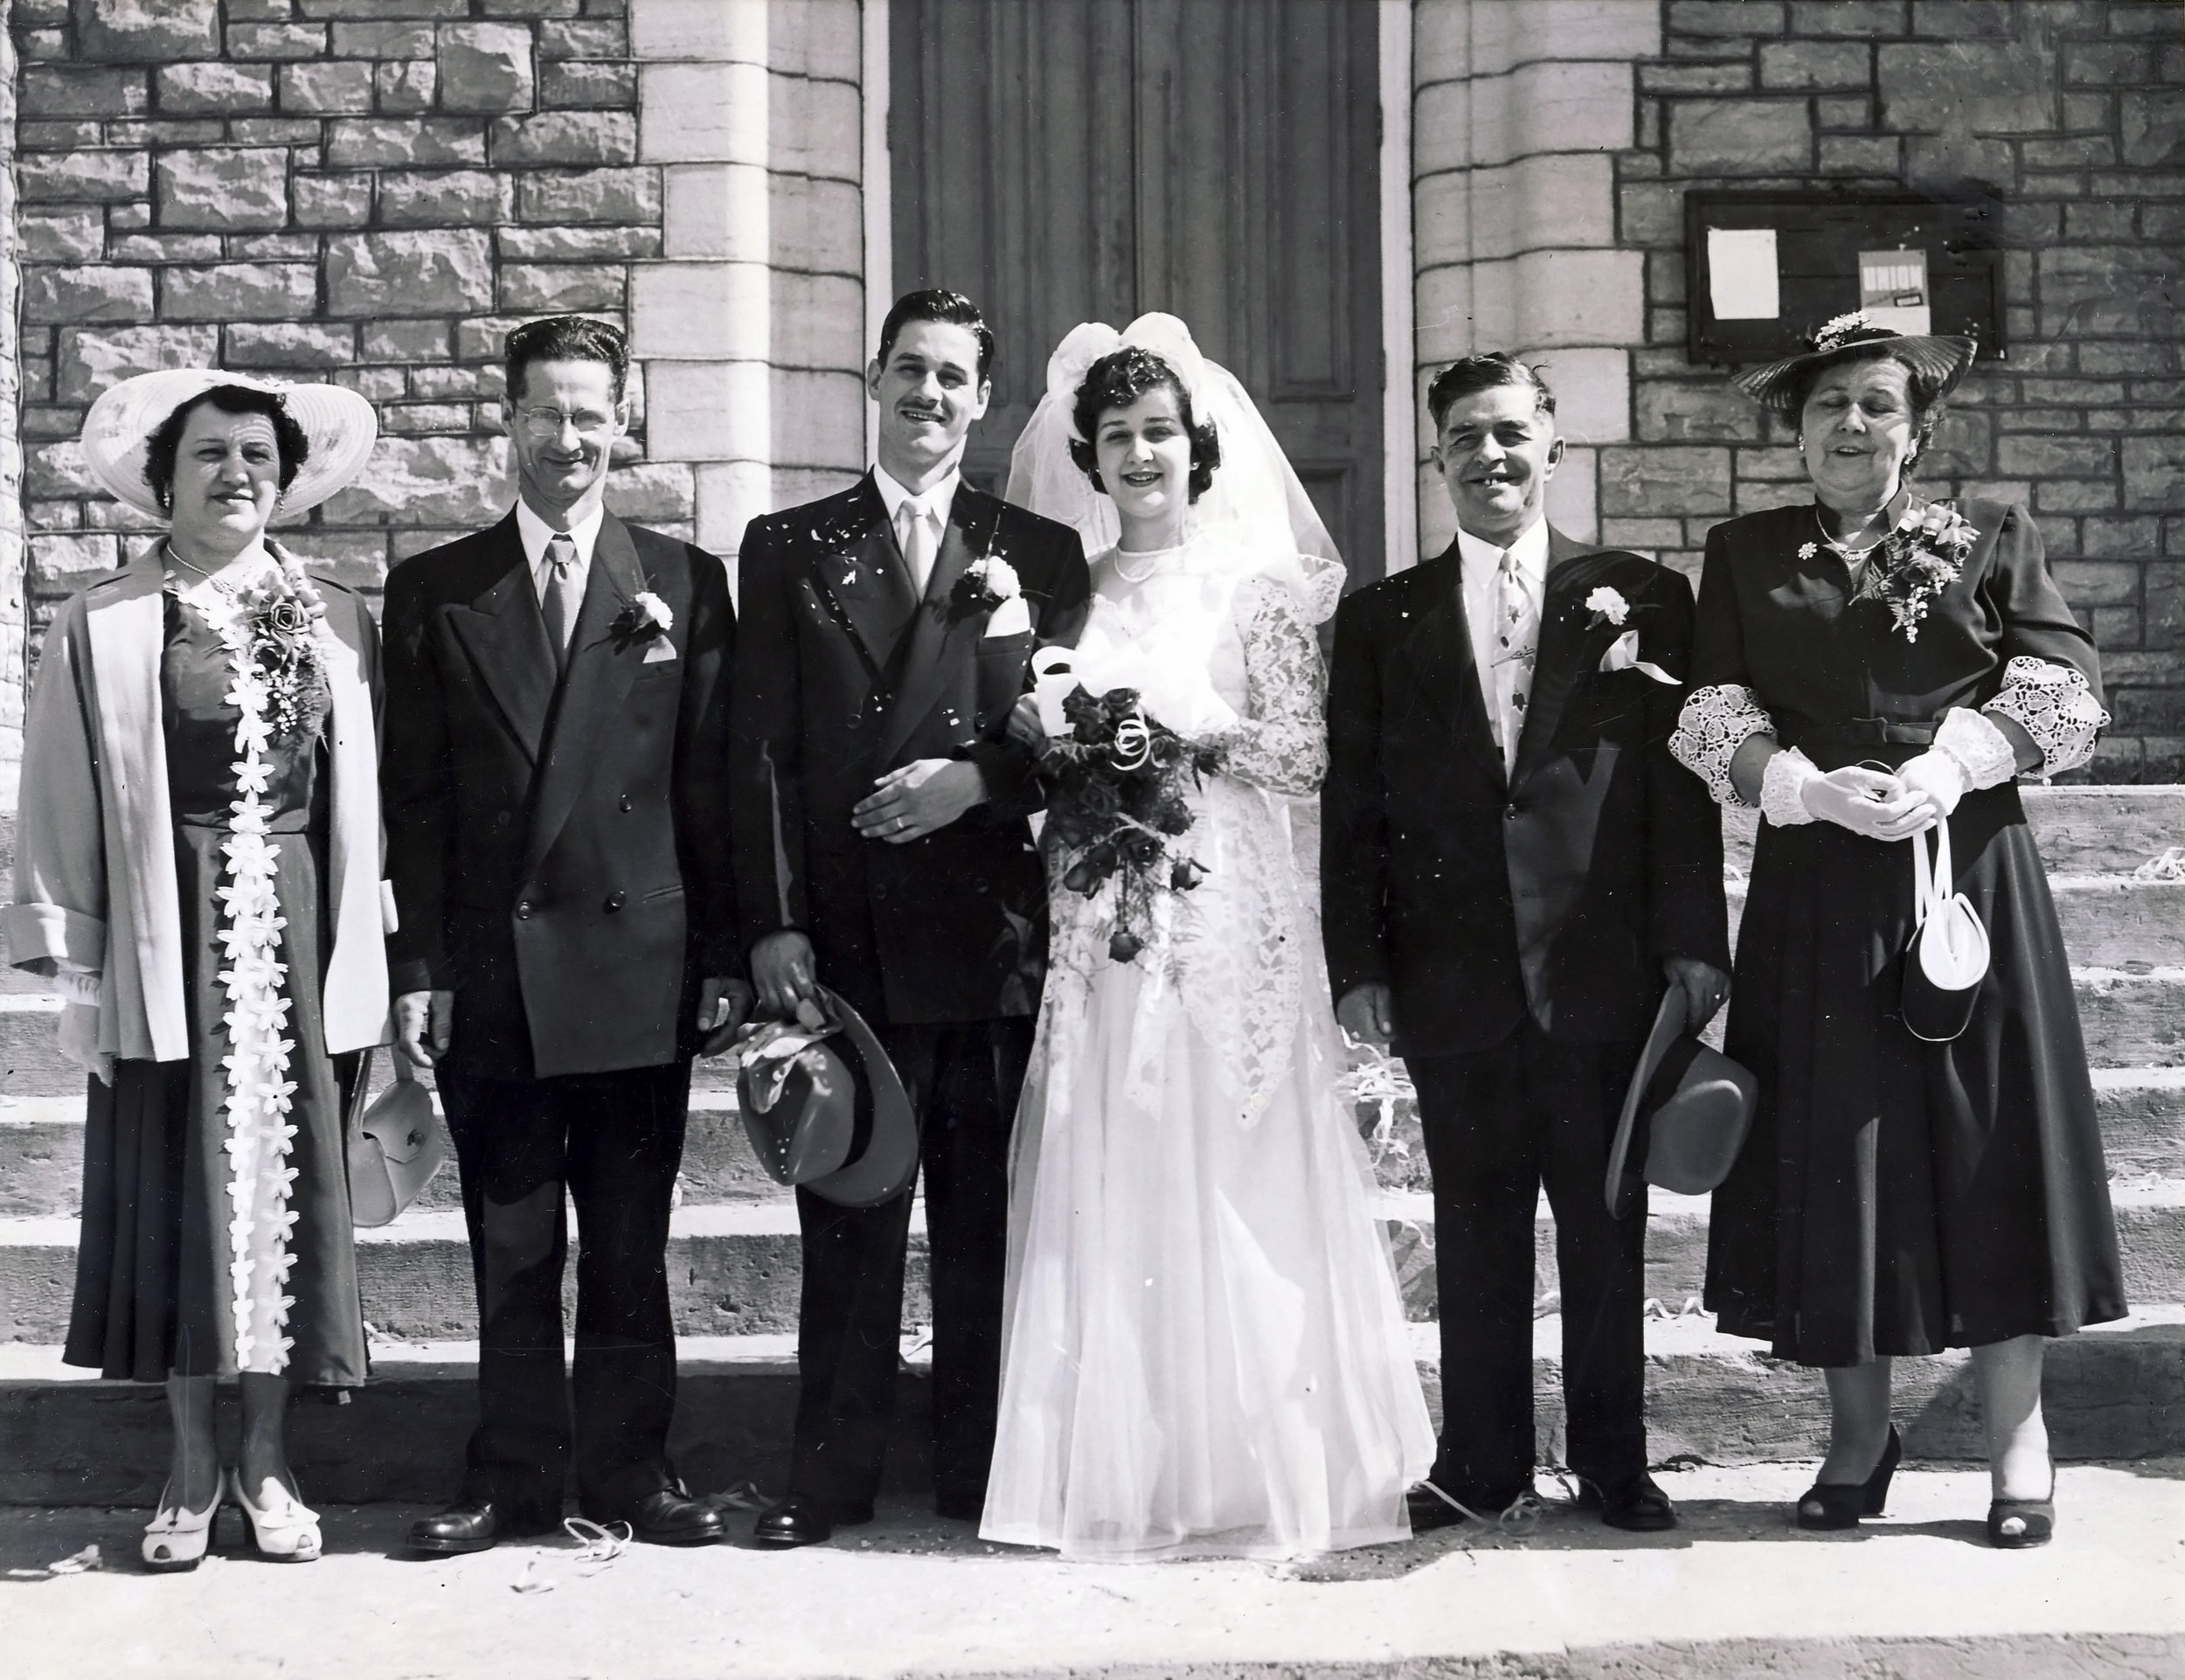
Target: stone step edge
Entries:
(1690, 1336)
(776, 1216)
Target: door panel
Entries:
(1074, 160)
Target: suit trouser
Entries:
(614, 1141)
(1497, 1125)
(965, 1081)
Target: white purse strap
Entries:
(1932, 890)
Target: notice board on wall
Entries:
(1764, 269)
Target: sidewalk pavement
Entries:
(1735, 1591)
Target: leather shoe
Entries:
(473, 1525)
(960, 1507)
(1636, 1504)
(668, 1517)
(802, 1519)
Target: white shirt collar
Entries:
(536, 533)
(1530, 550)
(938, 498)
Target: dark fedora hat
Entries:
(1940, 358)
(824, 1107)
(1697, 1105)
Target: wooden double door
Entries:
(1063, 160)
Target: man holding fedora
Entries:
(882, 848)
(556, 781)
(1514, 868)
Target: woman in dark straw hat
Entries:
(198, 871)
(1869, 665)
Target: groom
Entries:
(1513, 869)
(882, 849)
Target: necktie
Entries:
(914, 531)
(1516, 641)
(560, 604)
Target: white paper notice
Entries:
(1741, 275)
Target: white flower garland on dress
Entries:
(260, 1093)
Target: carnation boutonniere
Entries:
(644, 617)
(1612, 612)
(1608, 607)
(985, 583)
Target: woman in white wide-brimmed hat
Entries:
(197, 868)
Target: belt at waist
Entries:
(1859, 732)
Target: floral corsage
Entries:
(644, 617)
(279, 616)
(1916, 562)
(986, 584)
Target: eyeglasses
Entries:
(543, 422)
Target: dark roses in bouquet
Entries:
(1115, 805)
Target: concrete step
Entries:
(2115, 1393)
(734, 1268)
(2084, 830)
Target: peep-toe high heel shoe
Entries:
(1841, 1505)
(2016, 1525)
(176, 1539)
(284, 1528)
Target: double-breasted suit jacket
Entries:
(1555, 889)
(561, 861)
(848, 674)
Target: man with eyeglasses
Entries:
(556, 781)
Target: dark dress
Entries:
(153, 1292)
(1897, 1197)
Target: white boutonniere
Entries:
(653, 613)
(1608, 607)
(987, 583)
(645, 619)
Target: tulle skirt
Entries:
(1205, 1350)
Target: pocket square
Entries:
(1012, 617)
(1623, 654)
(662, 649)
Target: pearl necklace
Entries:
(1153, 558)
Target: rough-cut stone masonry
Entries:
(372, 191)
(1555, 140)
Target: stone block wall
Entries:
(1555, 142)
(371, 191)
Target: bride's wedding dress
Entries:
(1205, 1349)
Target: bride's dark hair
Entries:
(1119, 379)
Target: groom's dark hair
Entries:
(934, 304)
(1473, 374)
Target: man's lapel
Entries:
(600, 670)
(1560, 661)
(941, 637)
(861, 579)
(505, 636)
(1438, 649)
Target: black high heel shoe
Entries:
(1841, 1505)
(2016, 1524)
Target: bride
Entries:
(1204, 1347)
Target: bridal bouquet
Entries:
(1116, 805)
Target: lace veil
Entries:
(1256, 503)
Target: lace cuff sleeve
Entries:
(1281, 742)
(1783, 788)
(1717, 721)
(1982, 751)
(2054, 704)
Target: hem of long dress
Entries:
(2053, 1328)
(1214, 1545)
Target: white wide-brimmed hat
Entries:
(339, 424)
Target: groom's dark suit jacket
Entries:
(846, 674)
(563, 865)
(1557, 889)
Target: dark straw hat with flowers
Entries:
(1940, 359)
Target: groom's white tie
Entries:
(1516, 641)
(916, 529)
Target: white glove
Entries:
(1868, 803)
(1939, 776)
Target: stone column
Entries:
(1517, 106)
(12, 674)
(751, 326)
